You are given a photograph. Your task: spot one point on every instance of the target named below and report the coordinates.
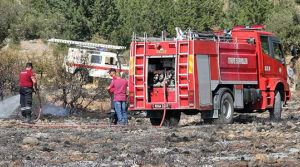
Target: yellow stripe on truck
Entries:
(131, 66)
(191, 64)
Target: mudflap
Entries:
(214, 114)
(210, 114)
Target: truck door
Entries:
(273, 59)
(277, 54)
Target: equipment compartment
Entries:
(161, 70)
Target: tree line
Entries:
(116, 20)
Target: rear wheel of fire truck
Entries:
(275, 113)
(226, 109)
(172, 119)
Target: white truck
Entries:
(92, 58)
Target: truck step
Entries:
(183, 74)
(139, 97)
(183, 85)
(183, 64)
(184, 95)
(183, 43)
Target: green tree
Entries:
(198, 14)
(62, 19)
(245, 12)
(105, 18)
(10, 11)
(149, 16)
(77, 16)
(284, 22)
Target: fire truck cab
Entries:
(216, 74)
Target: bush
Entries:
(10, 66)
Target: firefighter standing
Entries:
(28, 84)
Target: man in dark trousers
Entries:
(28, 84)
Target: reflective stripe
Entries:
(27, 108)
(191, 64)
(23, 108)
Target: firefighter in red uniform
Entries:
(28, 84)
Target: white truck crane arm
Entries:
(86, 44)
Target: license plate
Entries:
(156, 106)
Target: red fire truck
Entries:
(216, 74)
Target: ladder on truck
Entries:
(183, 48)
(86, 44)
(139, 73)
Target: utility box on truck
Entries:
(211, 73)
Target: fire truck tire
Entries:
(172, 119)
(155, 121)
(275, 113)
(226, 110)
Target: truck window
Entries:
(265, 44)
(278, 54)
(96, 59)
(110, 61)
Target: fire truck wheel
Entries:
(155, 121)
(275, 113)
(173, 118)
(226, 109)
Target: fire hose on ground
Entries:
(39, 112)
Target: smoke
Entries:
(9, 106)
(54, 110)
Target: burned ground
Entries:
(250, 141)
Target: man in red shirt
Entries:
(118, 86)
(113, 116)
(28, 84)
